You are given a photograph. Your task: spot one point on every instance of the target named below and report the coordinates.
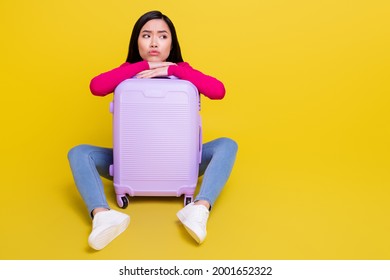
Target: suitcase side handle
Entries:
(200, 139)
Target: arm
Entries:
(207, 85)
(106, 82)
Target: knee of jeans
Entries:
(228, 144)
(77, 151)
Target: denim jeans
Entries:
(88, 163)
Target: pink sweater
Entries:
(106, 83)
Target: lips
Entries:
(154, 53)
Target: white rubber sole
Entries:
(191, 228)
(99, 239)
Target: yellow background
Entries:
(307, 101)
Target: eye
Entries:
(145, 36)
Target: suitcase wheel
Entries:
(122, 201)
(187, 199)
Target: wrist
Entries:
(171, 70)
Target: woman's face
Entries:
(154, 41)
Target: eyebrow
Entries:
(149, 31)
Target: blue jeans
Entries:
(88, 163)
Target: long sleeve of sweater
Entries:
(106, 83)
(207, 85)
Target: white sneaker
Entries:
(106, 226)
(194, 218)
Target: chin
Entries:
(155, 59)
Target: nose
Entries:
(153, 43)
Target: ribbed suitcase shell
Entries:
(156, 138)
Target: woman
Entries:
(154, 51)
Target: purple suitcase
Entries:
(157, 139)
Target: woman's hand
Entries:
(157, 69)
(158, 72)
(154, 65)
